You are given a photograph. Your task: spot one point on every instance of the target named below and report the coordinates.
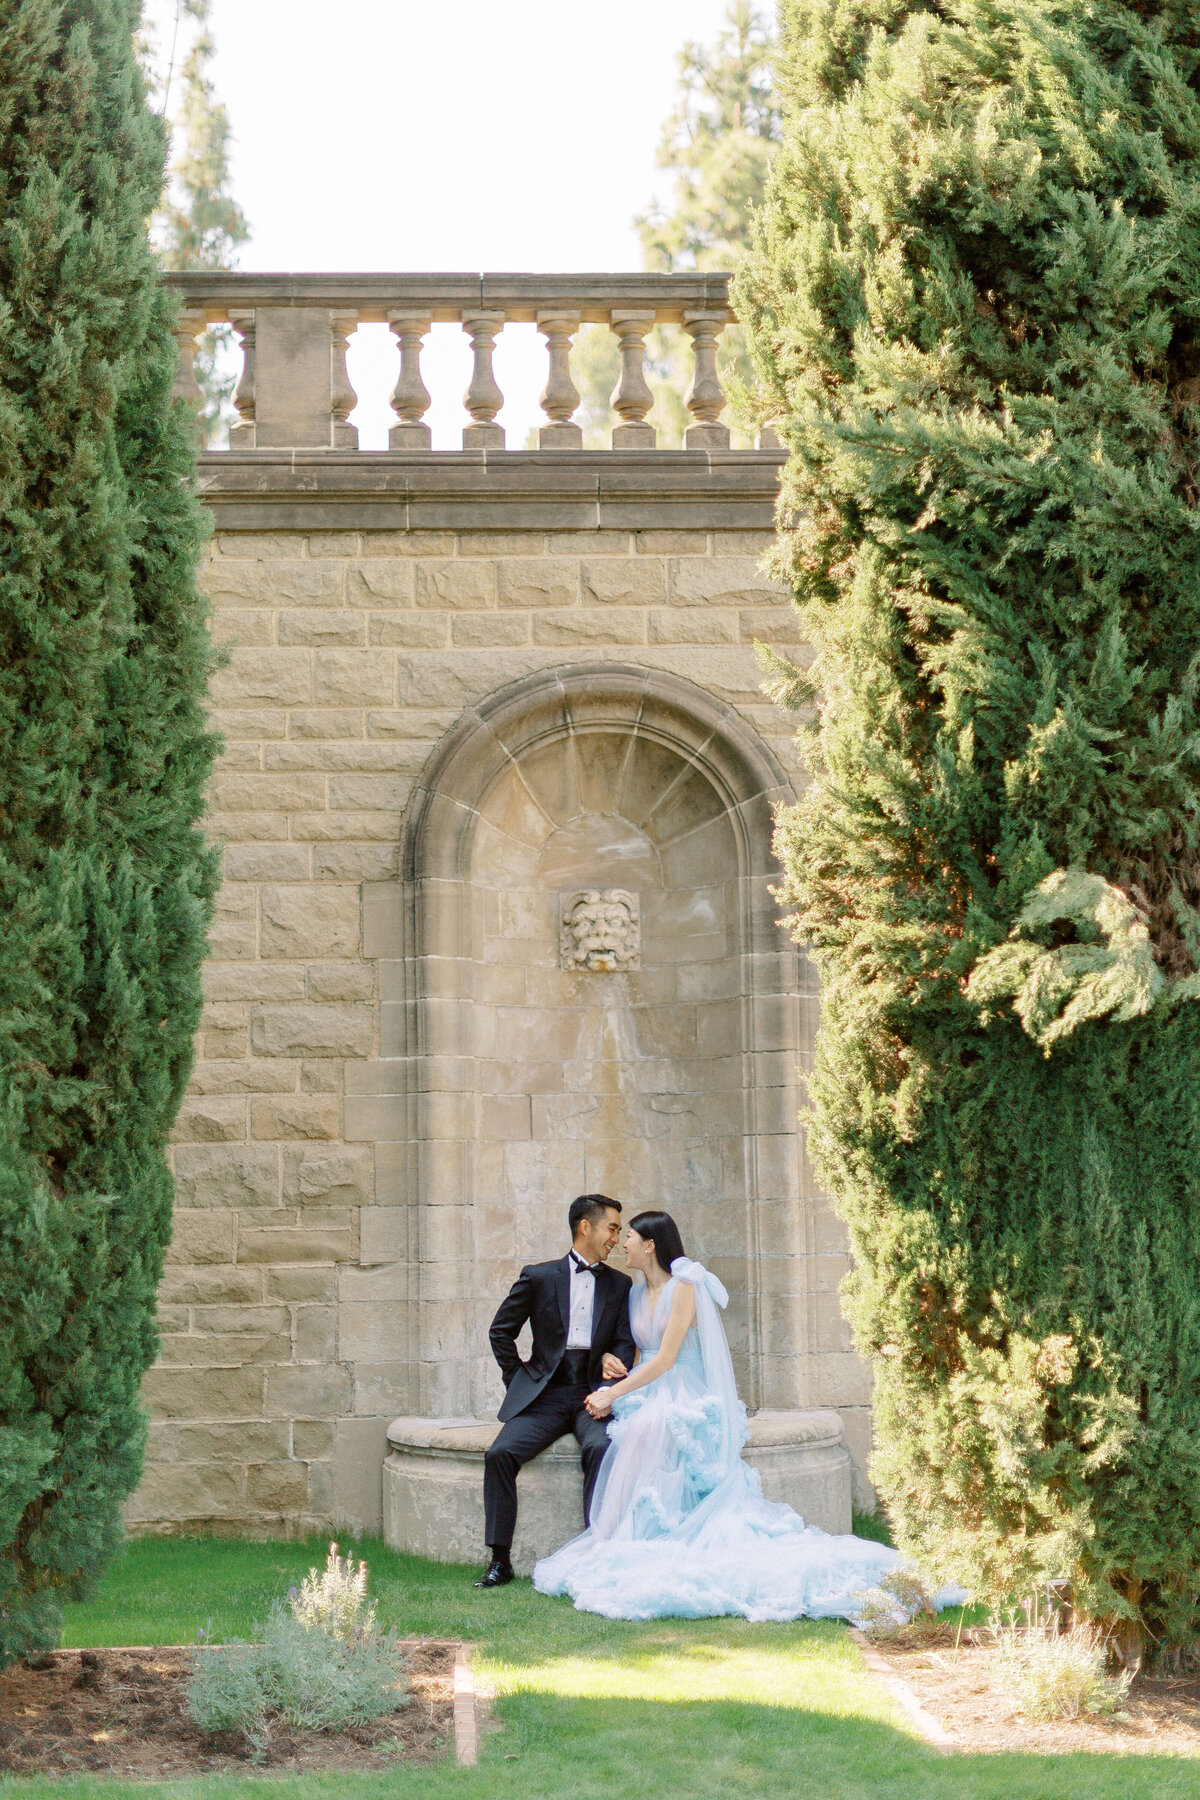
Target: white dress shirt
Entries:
(583, 1296)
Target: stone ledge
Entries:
(433, 1483)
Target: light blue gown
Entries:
(680, 1528)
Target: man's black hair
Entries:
(590, 1207)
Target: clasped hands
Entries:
(612, 1368)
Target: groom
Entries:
(579, 1311)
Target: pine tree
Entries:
(717, 143)
(105, 880)
(199, 224)
(974, 300)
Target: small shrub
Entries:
(895, 1602)
(1052, 1674)
(334, 1599)
(321, 1664)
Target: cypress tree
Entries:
(974, 302)
(105, 880)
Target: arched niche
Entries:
(521, 1077)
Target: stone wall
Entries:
(354, 653)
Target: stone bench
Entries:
(433, 1483)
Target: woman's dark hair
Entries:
(662, 1230)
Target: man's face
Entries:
(596, 1239)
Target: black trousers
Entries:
(558, 1409)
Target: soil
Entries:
(122, 1712)
(1160, 1716)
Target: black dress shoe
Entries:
(497, 1574)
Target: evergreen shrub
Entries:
(105, 881)
(973, 303)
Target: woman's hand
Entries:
(599, 1404)
(612, 1368)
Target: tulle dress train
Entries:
(680, 1528)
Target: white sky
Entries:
(458, 135)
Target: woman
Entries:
(679, 1524)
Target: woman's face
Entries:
(639, 1251)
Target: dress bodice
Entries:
(649, 1324)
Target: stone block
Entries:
(201, 1237)
(780, 625)
(321, 626)
(372, 1333)
(289, 1244)
(312, 1439)
(411, 630)
(278, 793)
(408, 543)
(382, 1390)
(308, 1030)
(276, 1487)
(268, 677)
(325, 722)
(671, 543)
(381, 583)
(211, 1119)
(582, 627)
(171, 1319)
(539, 581)
(226, 1175)
(301, 1282)
(321, 1076)
(247, 1441)
(308, 920)
(211, 1285)
(358, 1463)
(225, 1394)
(346, 827)
(177, 1493)
(723, 581)
(625, 581)
(316, 1176)
(589, 543)
(217, 1351)
(240, 625)
(246, 827)
(352, 677)
(341, 981)
(253, 981)
(383, 1234)
(267, 862)
(371, 1117)
(296, 1116)
(258, 1321)
(424, 725)
(356, 862)
(314, 1334)
(256, 1075)
(467, 584)
(384, 793)
(276, 581)
(474, 630)
(308, 1391)
(693, 625)
(257, 546)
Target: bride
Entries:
(679, 1526)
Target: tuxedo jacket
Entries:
(541, 1297)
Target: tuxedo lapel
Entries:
(603, 1303)
(562, 1284)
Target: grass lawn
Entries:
(593, 1709)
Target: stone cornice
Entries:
(547, 490)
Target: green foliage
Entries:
(199, 224)
(974, 303)
(717, 144)
(1049, 1673)
(105, 881)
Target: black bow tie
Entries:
(584, 1268)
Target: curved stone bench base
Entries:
(433, 1483)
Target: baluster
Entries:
(560, 396)
(188, 327)
(705, 397)
(483, 398)
(631, 397)
(342, 397)
(410, 396)
(242, 436)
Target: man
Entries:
(579, 1311)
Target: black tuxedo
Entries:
(544, 1397)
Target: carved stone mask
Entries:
(601, 929)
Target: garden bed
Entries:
(1161, 1716)
(122, 1712)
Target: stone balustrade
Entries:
(294, 392)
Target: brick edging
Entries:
(930, 1728)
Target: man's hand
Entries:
(612, 1368)
(599, 1404)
